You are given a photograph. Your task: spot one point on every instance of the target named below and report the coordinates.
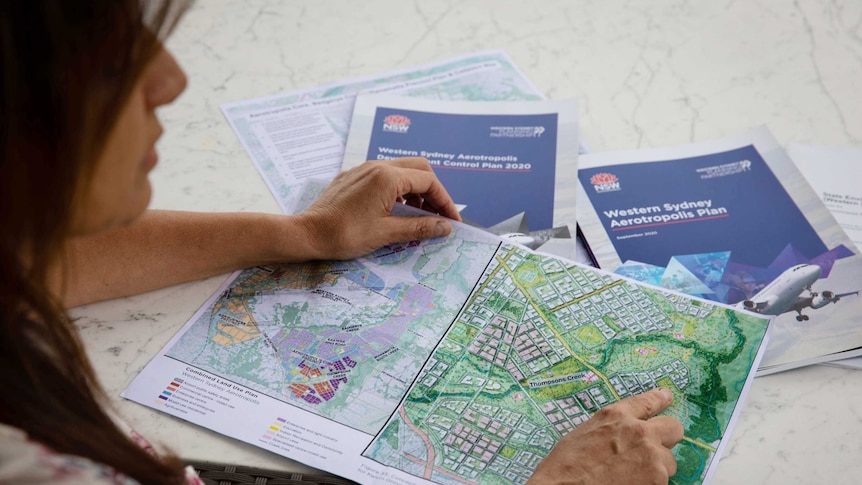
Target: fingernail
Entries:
(668, 395)
(440, 229)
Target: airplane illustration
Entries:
(784, 294)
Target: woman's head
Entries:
(78, 90)
(119, 190)
(79, 83)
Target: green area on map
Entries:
(540, 347)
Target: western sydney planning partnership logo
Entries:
(725, 169)
(608, 182)
(517, 131)
(396, 124)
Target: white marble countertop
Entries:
(646, 74)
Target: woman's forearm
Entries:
(164, 248)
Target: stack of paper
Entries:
(459, 359)
(300, 136)
(462, 358)
(834, 173)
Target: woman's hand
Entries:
(624, 443)
(352, 216)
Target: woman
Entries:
(79, 87)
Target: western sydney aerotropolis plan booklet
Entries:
(461, 359)
(733, 221)
(510, 166)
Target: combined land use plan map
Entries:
(342, 339)
(464, 359)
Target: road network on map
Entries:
(540, 347)
(342, 339)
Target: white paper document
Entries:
(295, 136)
(461, 359)
(836, 176)
(301, 134)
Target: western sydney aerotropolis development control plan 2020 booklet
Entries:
(500, 161)
(455, 360)
(734, 221)
(298, 137)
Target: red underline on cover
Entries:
(671, 222)
(482, 169)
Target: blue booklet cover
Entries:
(731, 221)
(510, 166)
(495, 165)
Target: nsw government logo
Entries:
(396, 123)
(605, 182)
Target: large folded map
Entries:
(455, 360)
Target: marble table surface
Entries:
(645, 73)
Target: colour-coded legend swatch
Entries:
(169, 391)
(273, 429)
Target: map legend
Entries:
(169, 391)
(273, 429)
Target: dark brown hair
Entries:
(67, 68)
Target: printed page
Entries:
(300, 134)
(835, 174)
(498, 350)
(510, 166)
(734, 221)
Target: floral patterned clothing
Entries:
(27, 462)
